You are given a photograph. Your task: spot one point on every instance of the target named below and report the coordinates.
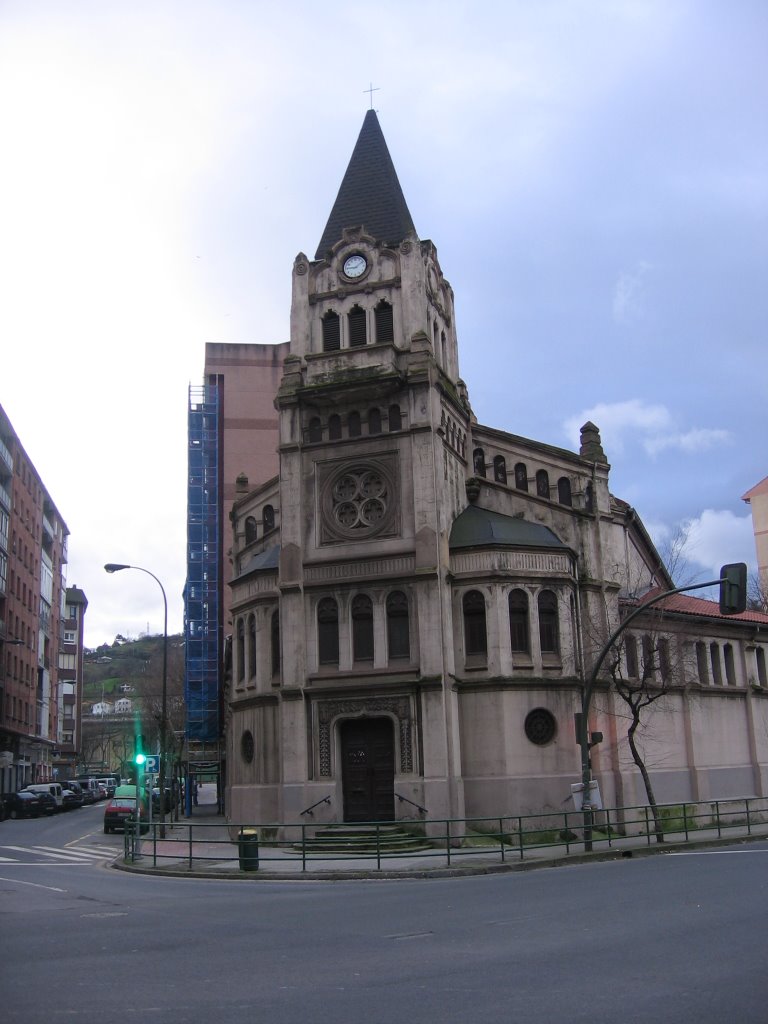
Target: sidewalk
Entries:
(201, 847)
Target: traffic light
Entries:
(139, 757)
(733, 589)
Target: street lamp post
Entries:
(112, 567)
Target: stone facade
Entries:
(416, 598)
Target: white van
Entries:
(54, 788)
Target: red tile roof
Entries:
(686, 605)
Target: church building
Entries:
(416, 598)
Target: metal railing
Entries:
(441, 842)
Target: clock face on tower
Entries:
(355, 266)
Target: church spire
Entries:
(370, 195)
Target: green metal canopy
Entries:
(479, 527)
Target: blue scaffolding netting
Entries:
(203, 587)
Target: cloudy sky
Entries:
(593, 173)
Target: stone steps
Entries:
(362, 839)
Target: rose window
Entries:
(359, 499)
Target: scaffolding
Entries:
(203, 590)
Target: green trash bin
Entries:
(248, 849)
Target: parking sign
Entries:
(152, 764)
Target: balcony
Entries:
(5, 456)
(5, 497)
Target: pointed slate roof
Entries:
(479, 527)
(370, 195)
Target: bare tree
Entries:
(757, 595)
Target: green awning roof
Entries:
(478, 528)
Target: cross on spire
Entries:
(371, 90)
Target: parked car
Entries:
(71, 799)
(48, 803)
(120, 813)
(101, 791)
(23, 805)
(53, 788)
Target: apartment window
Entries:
(398, 627)
(384, 322)
(519, 631)
(328, 631)
(549, 628)
(331, 332)
(475, 637)
(357, 327)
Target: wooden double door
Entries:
(368, 769)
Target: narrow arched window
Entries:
(334, 427)
(385, 327)
(630, 654)
(760, 660)
(730, 668)
(564, 491)
(315, 429)
(357, 329)
(250, 530)
(714, 660)
(478, 462)
(331, 332)
(521, 477)
(398, 627)
(275, 642)
(251, 646)
(519, 631)
(702, 665)
(665, 665)
(395, 418)
(328, 631)
(549, 627)
(542, 483)
(475, 637)
(499, 469)
(374, 421)
(589, 498)
(362, 628)
(353, 424)
(268, 517)
(442, 347)
(240, 650)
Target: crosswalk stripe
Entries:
(71, 856)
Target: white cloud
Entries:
(629, 293)
(652, 426)
(700, 439)
(717, 537)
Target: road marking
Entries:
(714, 853)
(58, 852)
(36, 885)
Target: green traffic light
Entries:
(140, 758)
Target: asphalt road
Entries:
(674, 938)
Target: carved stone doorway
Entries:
(368, 769)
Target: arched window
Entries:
(362, 628)
(549, 627)
(334, 427)
(353, 424)
(374, 421)
(701, 663)
(357, 329)
(542, 483)
(250, 530)
(395, 419)
(251, 646)
(268, 518)
(331, 332)
(714, 660)
(499, 469)
(274, 632)
(240, 650)
(521, 477)
(475, 638)
(760, 660)
(665, 665)
(442, 347)
(564, 491)
(730, 668)
(519, 631)
(385, 328)
(315, 429)
(398, 627)
(630, 653)
(328, 631)
(589, 498)
(478, 462)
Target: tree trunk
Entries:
(657, 824)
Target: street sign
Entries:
(152, 764)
